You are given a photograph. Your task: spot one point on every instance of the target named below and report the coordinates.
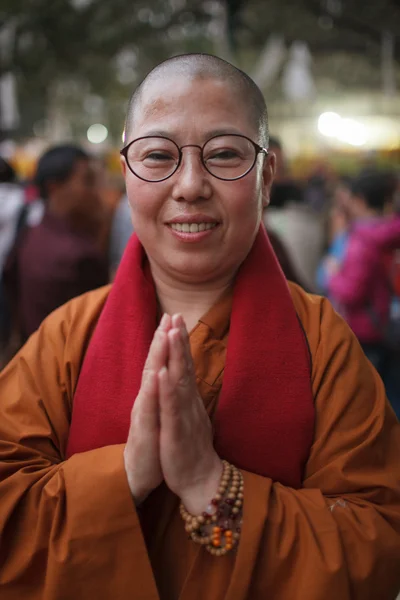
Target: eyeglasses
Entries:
(226, 157)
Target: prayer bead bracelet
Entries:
(218, 528)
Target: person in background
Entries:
(359, 285)
(298, 227)
(338, 232)
(121, 231)
(58, 258)
(11, 205)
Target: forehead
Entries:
(179, 102)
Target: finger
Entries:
(165, 323)
(178, 366)
(145, 410)
(169, 400)
(156, 357)
(158, 353)
(178, 323)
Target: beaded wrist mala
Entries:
(218, 528)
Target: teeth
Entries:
(192, 227)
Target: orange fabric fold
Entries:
(69, 529)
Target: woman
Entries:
(361, 284)
(254, 457)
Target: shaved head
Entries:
(206, 66)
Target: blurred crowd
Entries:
(341, 235)
(61, 234)
(64, 233)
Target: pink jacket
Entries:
(361, 282)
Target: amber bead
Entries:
(216, 529)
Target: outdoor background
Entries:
(68, 68)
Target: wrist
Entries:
(139, 492)
(218, 528)
(198, 496)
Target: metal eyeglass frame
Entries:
(258, 149)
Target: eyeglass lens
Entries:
(226, 157)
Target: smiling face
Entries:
(194, 227)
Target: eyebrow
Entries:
(209, 134)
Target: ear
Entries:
(268, 175)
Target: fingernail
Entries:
(174, 333)
(163, 320)
(177, 319)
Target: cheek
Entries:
(245, 199)
(145, 199)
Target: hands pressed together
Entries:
(170, 436)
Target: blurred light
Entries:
(41, 128)
(144, 15)
(7, 149)
(352, 132)
(123, 136)
(81, 4)
(325, 22)
(93, 104)
(328, 123)
(98, 133)
(349, 131)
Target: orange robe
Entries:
(69, 529)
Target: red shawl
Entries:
(264, 421)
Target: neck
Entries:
(191, 301)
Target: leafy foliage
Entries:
(68, 55)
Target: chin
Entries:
(192, 270)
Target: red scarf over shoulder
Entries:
(264, 421)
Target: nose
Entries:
(191, 180)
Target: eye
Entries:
(159, 156)
(223, 157)
(223, 154)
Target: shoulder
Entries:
(83, 311)
(311, 310)
(320, 321)
(47, 367)
(340, 370)
(327, 332)
(67, 331)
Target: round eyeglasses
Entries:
(227, 157)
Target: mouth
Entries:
(192, 227)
